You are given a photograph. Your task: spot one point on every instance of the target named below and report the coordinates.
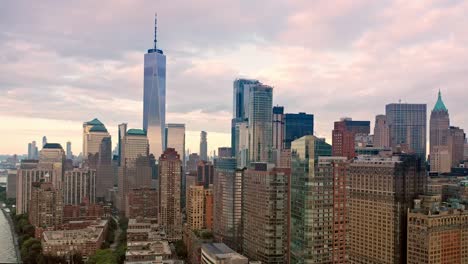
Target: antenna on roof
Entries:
(155, 29)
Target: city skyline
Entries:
(350, 74)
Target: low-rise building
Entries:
(219, 253)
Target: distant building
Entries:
(94, 132)
(278, 127)
(224, 152)
(456, 144)
(142, 202)
(11, 184)
(205, 173)
(407, 124)
(32, 150)
(265, 213)
(242, 140)
(46, 208)
(260, 123)
(79, 185)
(344, 136)
(175, 138)
(170, 217)
(44, 141)
(203, 146)
(297, 126)
(381, 132)
(192, 162)
(69, 151)
(219, 253)
(438, 138)
(437, 234)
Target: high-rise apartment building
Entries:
(260, 123)
(407, 124)
(28, 173)
(195, 207)
(265, 213)
(52, 158)
(456, 141)
(381, 132)
(79, 186)
(154, 98)
(381, 191)
(135, 164)
(319, 203)
(175, 138)
(344, 135)
(227, 190)
(46, 208)
(142, 202)
(170, 217)
(297, 126)
(203, 146)
(437, 234)
(278, 127)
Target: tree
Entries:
(103, 256)
(181, 249)
(31, 249)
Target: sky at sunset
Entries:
(66, 62)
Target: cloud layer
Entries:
(66, 62)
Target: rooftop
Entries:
(94, 122)
(53, 146)
(136, 132)
(440, 106)
(98, 128)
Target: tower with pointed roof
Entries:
(438, 138)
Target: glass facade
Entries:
(260, 123)
(154, 100)
(407, 124)
(296, 126)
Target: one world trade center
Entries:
(154, 98)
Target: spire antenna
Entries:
(155, 30)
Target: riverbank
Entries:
(14, 236)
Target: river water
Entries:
(7, 248)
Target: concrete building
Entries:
(407, 124)
(94, 132)
(79, 185)
(142, 202)
(265, 213)
(224, 152)
(278, 127)
(46, 208)
(227, 191)
(381, 132)
(381, 191)
(175, 138)
(154, 98)
(438, 138)
(260, 123)
(456, 144)
(135, 168)
(192, 162)
(11, 184)
(203, 146)
(170, 217)
(344, 135)
(219, 253)
(195, 207)
(297, 126)
(437, 234)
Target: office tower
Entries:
(46, 208)
(175, 135)
(264, 213)
(69, 151)
(79, 186)
(438, 138)
(135, 169)
(297, 126)
(344, 135)
(32, 150)
(242, 139)
(154, 98)
(456, 141)
(44, 141)
(319, 208)
(437, 234)
(227, 190)
(170, 217)
(241, 93)
(205, 173)
(142, 202)
(52, 158)
(192, 162)
(381, 132)
(104, 170)
(219, 253)
(224, 152)
(407, 124)
(278, 127)
(203, 146)
(381, 191)
(260, 123)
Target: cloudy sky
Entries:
(65, 62)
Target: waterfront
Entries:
(7, 248)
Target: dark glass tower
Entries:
(297, 126)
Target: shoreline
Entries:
(14, 236)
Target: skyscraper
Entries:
(344, 135)
(203, 146)
(104, 170)
(381, 191)
(242, 140)
(69, 151)
(135, 169)
(278, 127)
(260, 123)
(297, 126)
(224, 152)
(381, 132)
(154, 97)
(407, 124)
(175, 138)
(456, 141)
(170, 217)
(79, 185)
(205, 173)
(44, 141)
(438, 137)
(94, 132)
(240, 107)
(32, 150)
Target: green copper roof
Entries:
(98, 128)
(440, 106)
(136, 132)
(52, 146)
(95, 122)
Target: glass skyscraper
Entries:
(260, 123)
(297, 126)
(154, 99)
(407, 124)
